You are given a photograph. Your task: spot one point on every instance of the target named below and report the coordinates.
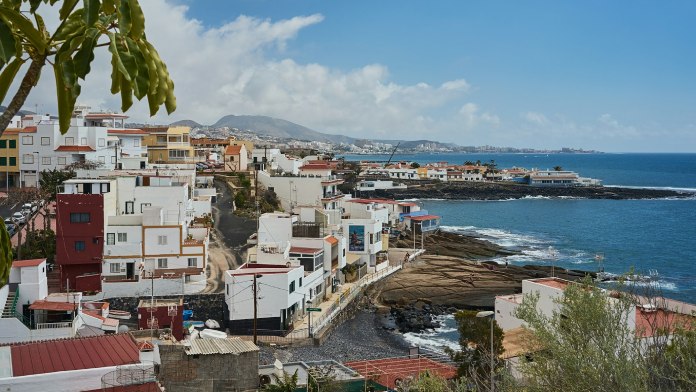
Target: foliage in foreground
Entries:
(589, 344)
(137, 69)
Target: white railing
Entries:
(346, 297)
(65, 324)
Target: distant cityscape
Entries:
(369, 147)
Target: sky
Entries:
(616, 76)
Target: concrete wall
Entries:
(505, 307)
(213, 372)
(141, 288)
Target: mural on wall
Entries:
(356, 239)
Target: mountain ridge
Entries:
(276, 127)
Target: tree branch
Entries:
(28, 83)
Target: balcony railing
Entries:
(64, 324)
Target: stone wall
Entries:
(212, 372)
(204, 306)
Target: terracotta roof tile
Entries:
(75, 148)
(233, 150)
(73, 354)
(27, 263)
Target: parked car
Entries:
(19, 218)
(9, 221)
(11, 228)
(31, 207)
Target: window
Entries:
(344, 252)
(372, 238)
(162, 240)
(3, 143)
(101, 142)
(3, 161)
(61, 160)
(27, 140)
(13, 144)
(122, 237)
(79, 246)
(129, 207)
(136, 142)
(177, 153)
(110, 238)
(102, 159)
(69, 141)
(143, 205)
(115, 268)
(292, 287)
(161, 139)
(83, 141)
(45, 160)
(113, 159)
(45, 141)
(28, 158)
(318, 289)
(300, 282)
(13, 161)
(162, 263)
(192, 262)
(79, 217)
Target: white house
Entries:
(365, 246)
(280, 300)
(43, 147)
(375, 185)
(293, 191)
(132, 154)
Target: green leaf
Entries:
(126, 95)
(66, 8)
(115, 76)
(7, 76)
(75, 24)
(34, 5)
(108, 6)
(25, 27)
(8, 47)
(124, 60)
(64, 96)
(142, 78)
(153, 83)
(124, 17)
(85, 54)
(91, 12)
(137, 20)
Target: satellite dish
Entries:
(122, 328)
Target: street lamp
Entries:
(490, 314)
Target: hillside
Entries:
(186, 123)
(277, 128)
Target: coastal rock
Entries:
(448, 281)
(506, 190)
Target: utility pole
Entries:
(254, 288)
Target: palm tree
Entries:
(557, 168)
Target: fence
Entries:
(295, 337)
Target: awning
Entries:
(352, 258)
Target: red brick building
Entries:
(80, 240)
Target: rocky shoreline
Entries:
(507, 191)
(454, 274)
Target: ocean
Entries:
(649, 236)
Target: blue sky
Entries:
(607, 75)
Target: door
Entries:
(130, 270)
(142, 164)
(129, 207)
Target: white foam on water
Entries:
(659, 188)
(430, 342)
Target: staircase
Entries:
(9, 311)
(53, 281)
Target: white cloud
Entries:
(471, 116)
(240, 68)
(536, 118)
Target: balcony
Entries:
(329, 196)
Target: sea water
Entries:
(656, 235)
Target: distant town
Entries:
(169, 258)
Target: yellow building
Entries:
(168, 144)
(9, 158)
(246, 143)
